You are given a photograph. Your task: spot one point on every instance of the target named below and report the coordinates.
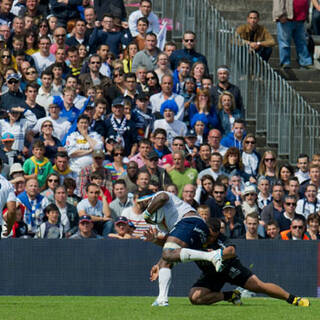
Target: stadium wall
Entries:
(121, 267)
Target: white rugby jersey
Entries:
(6, 194)
(173, 211)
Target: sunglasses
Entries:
(118, 154)
(250, 142)
(5, 56)
(188, 40)
(270, 159)
(60, 35)
(297, 227)
(12, 81)
(250, 194)
(47, 126)
(151, 78)
(118, 75)
(95, 62)
(30, 72)
(154, 159)
(291, 204)
(53, 180)
(218, 192)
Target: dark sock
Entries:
(227, 295)
(291, 298)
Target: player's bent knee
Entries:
(195, 296)
(171, 252)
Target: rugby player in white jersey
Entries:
(186, 233)
(8, 199)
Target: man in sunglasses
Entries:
(14, 97)
(286, 217)
(296, 231)
(188, 52)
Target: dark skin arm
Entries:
(157, 202)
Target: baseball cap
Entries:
(16, 167)
(249, 189)
(14, 76)
(85, 218)
(228, 204)
(191, 133)
(152, 154)
(98, 154)
(122, 220)
(118, 102)
(7, 137)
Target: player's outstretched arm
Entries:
(153, 235)
(158, 202)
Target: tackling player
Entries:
(186, 234)
(207, 289)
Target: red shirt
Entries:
(300, 10)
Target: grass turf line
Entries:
(138, 308)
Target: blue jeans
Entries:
(315, 22)
(295, 30)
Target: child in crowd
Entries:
(51, 229)
(71, 186)
(38, 166)
(204, 212)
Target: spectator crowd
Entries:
(95, 110)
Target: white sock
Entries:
(187, 255)
(165, 276)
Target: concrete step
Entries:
(275, 51)
(305, 85)
(299, 74)
(241, 14)
(260, 5)
(275, 62)
(312, 97)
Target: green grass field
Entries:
(132, 308)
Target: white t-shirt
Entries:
(42, 62)
(85, 205)
(75, 142)
(138, 221)
(173, 129)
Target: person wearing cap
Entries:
(14, 97)
(173, 127)
(85, 229)
(157, 173)
(122, 229)
(223, 73)
(8, 155)
(167, 94)
(98, 210)
(190, 145)
(96, 166)
(81, 143)
(249, 199)
(121, 129)
(142, 116)
(234, 227)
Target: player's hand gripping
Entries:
(154, 272)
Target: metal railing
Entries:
(288, 121)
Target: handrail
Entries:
(288, 121)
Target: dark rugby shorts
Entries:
(236, 274)
(192, 231)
